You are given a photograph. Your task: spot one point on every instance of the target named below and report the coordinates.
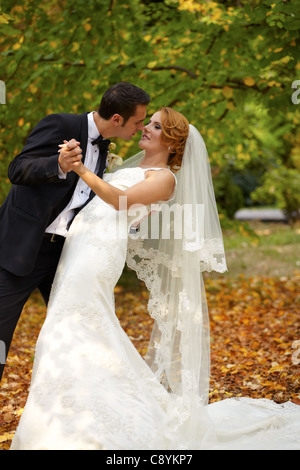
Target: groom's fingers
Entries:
(70, 149)
(71, 155)
(69, 145)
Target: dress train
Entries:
(90, 387)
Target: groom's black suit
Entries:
(28, 258)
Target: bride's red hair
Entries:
(175, 131)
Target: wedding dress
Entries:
(90, 387)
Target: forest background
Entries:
(232, 67)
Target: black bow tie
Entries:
(103, 144)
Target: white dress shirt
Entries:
(82, 191)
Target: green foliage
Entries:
(281, 185)
(228, 66)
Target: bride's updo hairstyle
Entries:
(175, 131)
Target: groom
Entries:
(46, 195)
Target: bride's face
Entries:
(152, 133)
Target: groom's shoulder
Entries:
(62, 121)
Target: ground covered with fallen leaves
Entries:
(255, 341)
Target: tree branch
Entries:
(175, 67)
(213, 42)
(223, 115)
(111, 5)
(238, 85)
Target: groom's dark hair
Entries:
(122, 98)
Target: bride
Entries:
(90, 387)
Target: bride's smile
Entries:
(145, 136)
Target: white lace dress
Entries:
(90, 387)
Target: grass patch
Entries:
(265, 249)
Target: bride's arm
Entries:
(157, 186)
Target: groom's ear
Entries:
(117, 120)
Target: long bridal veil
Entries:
(179, 241)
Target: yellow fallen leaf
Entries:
(7, 436)
(276, 368)
(19, 412)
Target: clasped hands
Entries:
(70, 155)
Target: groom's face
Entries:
(134, 124)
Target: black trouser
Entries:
(15, 291)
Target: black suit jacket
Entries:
(37, 194)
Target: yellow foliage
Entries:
(190, 5)
(274, 83)
(75, 46)
(87, 27)
(152, 64)
(33, 88)
(87, 95)
(249, 81)
(227, 92)
(230, 105)
(17, 9)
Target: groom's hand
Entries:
(70, 153)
